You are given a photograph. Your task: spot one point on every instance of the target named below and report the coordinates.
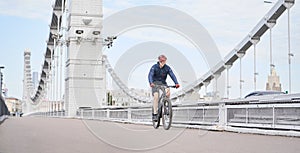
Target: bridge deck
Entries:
(51, 135)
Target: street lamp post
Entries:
(289, 50)
(271, 24)
(290, 55)
(240, 56)
(227, 76)
(241, 78)
(254, 41)
(272, 65)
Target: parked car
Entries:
(263, 93)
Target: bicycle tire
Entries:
(156, 123)
(167, 114)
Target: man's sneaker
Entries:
(155, 117)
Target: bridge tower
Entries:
(27, 82)
(85, 78)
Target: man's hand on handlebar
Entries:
(177, 85)
(152, 85)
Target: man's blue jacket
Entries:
(160, 74)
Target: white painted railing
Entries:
(282, 114)
(272, 115)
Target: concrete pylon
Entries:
(85, 70)
(27, 83)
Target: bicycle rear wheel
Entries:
(167, 114)
(156, 123)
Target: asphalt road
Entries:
(53, 135)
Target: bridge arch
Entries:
(169, 19)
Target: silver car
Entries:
(263, 93)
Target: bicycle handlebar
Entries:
(173, 86)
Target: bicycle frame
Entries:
(163, 89)
(162, 98)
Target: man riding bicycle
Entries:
(157, 76)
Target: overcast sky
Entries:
(24, 24)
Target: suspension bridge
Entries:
(72, 94)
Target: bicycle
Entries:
(164, 108)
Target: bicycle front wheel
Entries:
(167, 114)
(156, 123)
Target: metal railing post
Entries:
(222, 116)
(203, 117)
(107, 113)
(273, 114)
(93, 114)
(129, 114)
(188, 114)
(247, 116)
